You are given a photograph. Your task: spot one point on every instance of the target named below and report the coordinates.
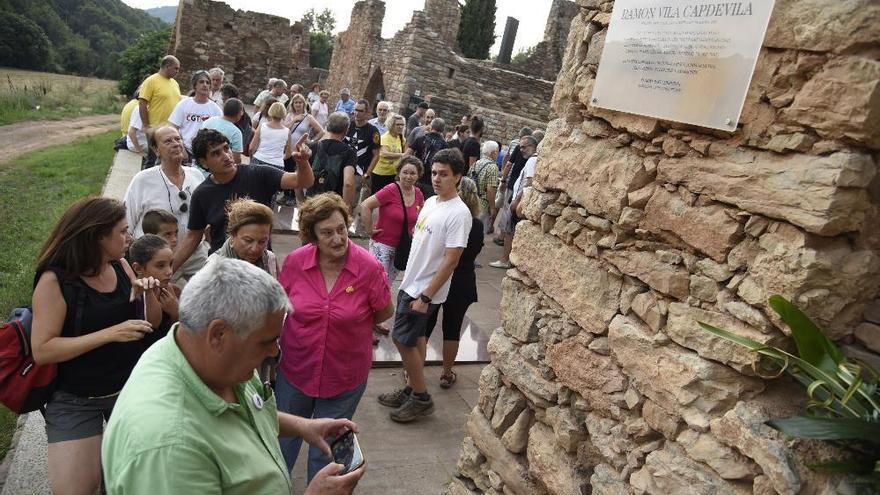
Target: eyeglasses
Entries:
(180, 194)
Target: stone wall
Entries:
(249, 46)
(601, 381)
(422, 60)
(547, 57)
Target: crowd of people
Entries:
(170, 310)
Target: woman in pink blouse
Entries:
(385, 234)
(338, 291)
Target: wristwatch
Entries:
(425, 299)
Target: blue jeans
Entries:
(292, 400)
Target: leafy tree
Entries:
(523, 55)
(142, 59)
(322, 22)
(476, 30)
(321, 41)
(22, 43)
(85, 36)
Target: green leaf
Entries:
(828, 428)
(813, 346)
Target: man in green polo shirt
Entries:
(194, 417)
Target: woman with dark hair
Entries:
(339, 292)
(88, 318)
(385, 234)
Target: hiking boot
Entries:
(412, 409)
(394, 399)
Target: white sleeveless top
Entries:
(272, 142)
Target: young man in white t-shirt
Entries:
(440, 236)
(191, 112)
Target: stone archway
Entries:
(375, 89)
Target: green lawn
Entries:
(35, 189)
(28, 95)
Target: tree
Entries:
(476, 30)
(321, 27)
(523, 55)
(22, 43)
(142, 59)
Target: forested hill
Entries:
(82, 37)
(167, 13)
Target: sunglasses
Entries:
(183, 206)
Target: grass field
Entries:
(35, 189)
(27, 95)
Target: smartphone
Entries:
(140, 308)
(347, 451)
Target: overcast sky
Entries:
(532, 15)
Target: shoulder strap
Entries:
(403, 204)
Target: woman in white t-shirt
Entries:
(271, 143)
(299, 121)
(192, 111)
(320, 110)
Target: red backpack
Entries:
(26, 386)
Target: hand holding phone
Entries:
(347, 451)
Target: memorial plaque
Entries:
(684, 60)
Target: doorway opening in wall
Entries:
(375, 89)
(451, 73)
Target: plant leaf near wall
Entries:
(844, 399)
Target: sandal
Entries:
(446, 381)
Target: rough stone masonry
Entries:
(601, 381)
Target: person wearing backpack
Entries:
(484, 173)
(89, 319)
(424, 148)
(333, 160)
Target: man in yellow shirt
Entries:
(125, 118)
(159, 93)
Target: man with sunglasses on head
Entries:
(229, 181)
(167, 186)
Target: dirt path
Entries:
(20, 138)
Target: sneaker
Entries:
(394, 399)
(500, 264)
(412, 409)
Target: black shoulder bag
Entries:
(401, 255)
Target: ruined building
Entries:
(601, 380)
(421, 63)
(249, 46)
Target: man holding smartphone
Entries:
(194, 417)
(440, 236)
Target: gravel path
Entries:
(20, 138)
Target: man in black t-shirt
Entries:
(415, 119)
(364, 139)
(228, 181)
(470, 148)
(424, 148)
(337, 154)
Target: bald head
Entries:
(169, 66)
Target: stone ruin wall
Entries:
(422, 57)
(547, 57)
(249, 46)
(601, 381)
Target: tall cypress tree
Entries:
(476, 31)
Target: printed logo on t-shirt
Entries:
(192, 117)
